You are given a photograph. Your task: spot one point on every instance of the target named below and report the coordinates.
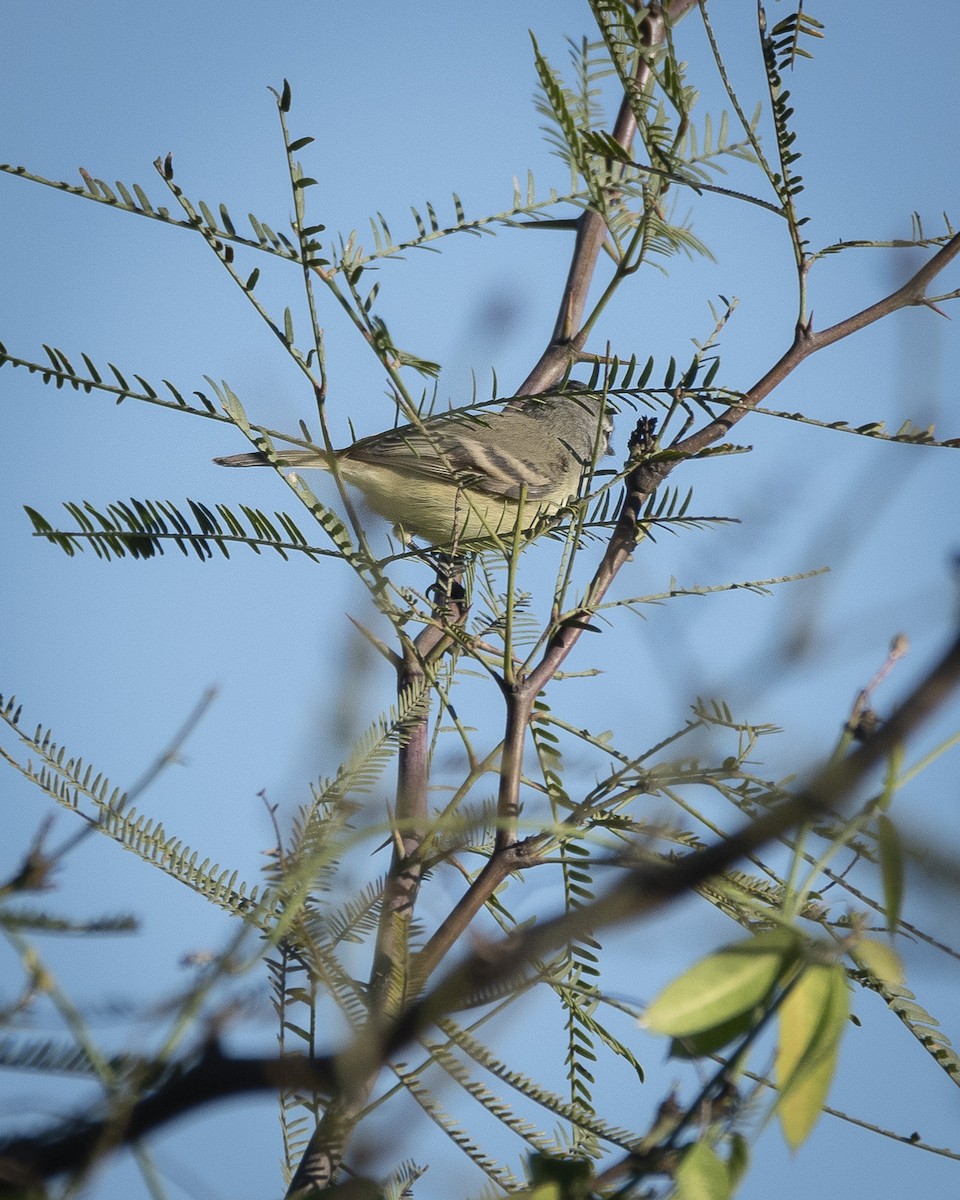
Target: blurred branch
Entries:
(496, 966)
(76, 1146)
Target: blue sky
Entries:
(407, 104)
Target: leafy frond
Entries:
(59, 370)
(625, 36)
(321, 831)
(786, 182)
(470, 828)
(29, 920)
(696, 155)
(581, 1057)
(768, 892)
(539, 1095)
(592, 154)
(140, 528)
(918, 240)
(296, 1127)
(694, 176)
(52, 1058)
(760, 587)
(292, 990)
(497, 1107)
(326, 971)
(497, 1173)
(135, 200)
(786, 34)
(567, 115)
(587, 1019)
(357, 918)
(402, 1179)
(429, 230)
(77, 786)
(908, 433)
(370, 754)
(924, 1027)
(589, 64)
(706, 149)
(581, 951)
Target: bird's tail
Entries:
(286, 458)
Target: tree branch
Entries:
(650, 887)
(643, 890)
(567, 341)
(25, 1161)
(640, 484)
(807, 342)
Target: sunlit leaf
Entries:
(812, 1019)
(702, 1175)
(880, 959)
(721, 987)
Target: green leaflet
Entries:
(880, 959)
(891, 867)
(724, 985)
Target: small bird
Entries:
(460, 476)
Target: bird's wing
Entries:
(479, 460)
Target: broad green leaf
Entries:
(812, 1020)
(880, 959)
(724, 985)
(891, 869)
(801, 1109)
(713, 1040)
(738, 1159)
(702, 1175)
(559, 1178)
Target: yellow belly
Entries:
(438, 512)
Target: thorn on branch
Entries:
(864, 721)
(936, 308)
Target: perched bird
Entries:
(460, 476)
